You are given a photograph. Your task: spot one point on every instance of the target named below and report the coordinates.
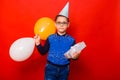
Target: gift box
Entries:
(77, 48)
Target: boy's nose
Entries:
(61, 25)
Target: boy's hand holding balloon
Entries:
(37, 39)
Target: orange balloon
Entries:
(44, 27)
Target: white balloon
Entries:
(22, 49)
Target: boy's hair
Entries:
(61, 16)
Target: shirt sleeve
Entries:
(43, 49)
(74, 43)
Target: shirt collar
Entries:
(61, 35)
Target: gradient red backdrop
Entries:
(97, 22)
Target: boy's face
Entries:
(61, 24)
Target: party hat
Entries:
(64, 11)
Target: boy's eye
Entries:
(63, 23)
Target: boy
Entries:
(57, 67)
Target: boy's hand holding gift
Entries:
(75, 50)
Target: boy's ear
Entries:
(55, 24)
(68, 24)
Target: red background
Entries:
(97, 22)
